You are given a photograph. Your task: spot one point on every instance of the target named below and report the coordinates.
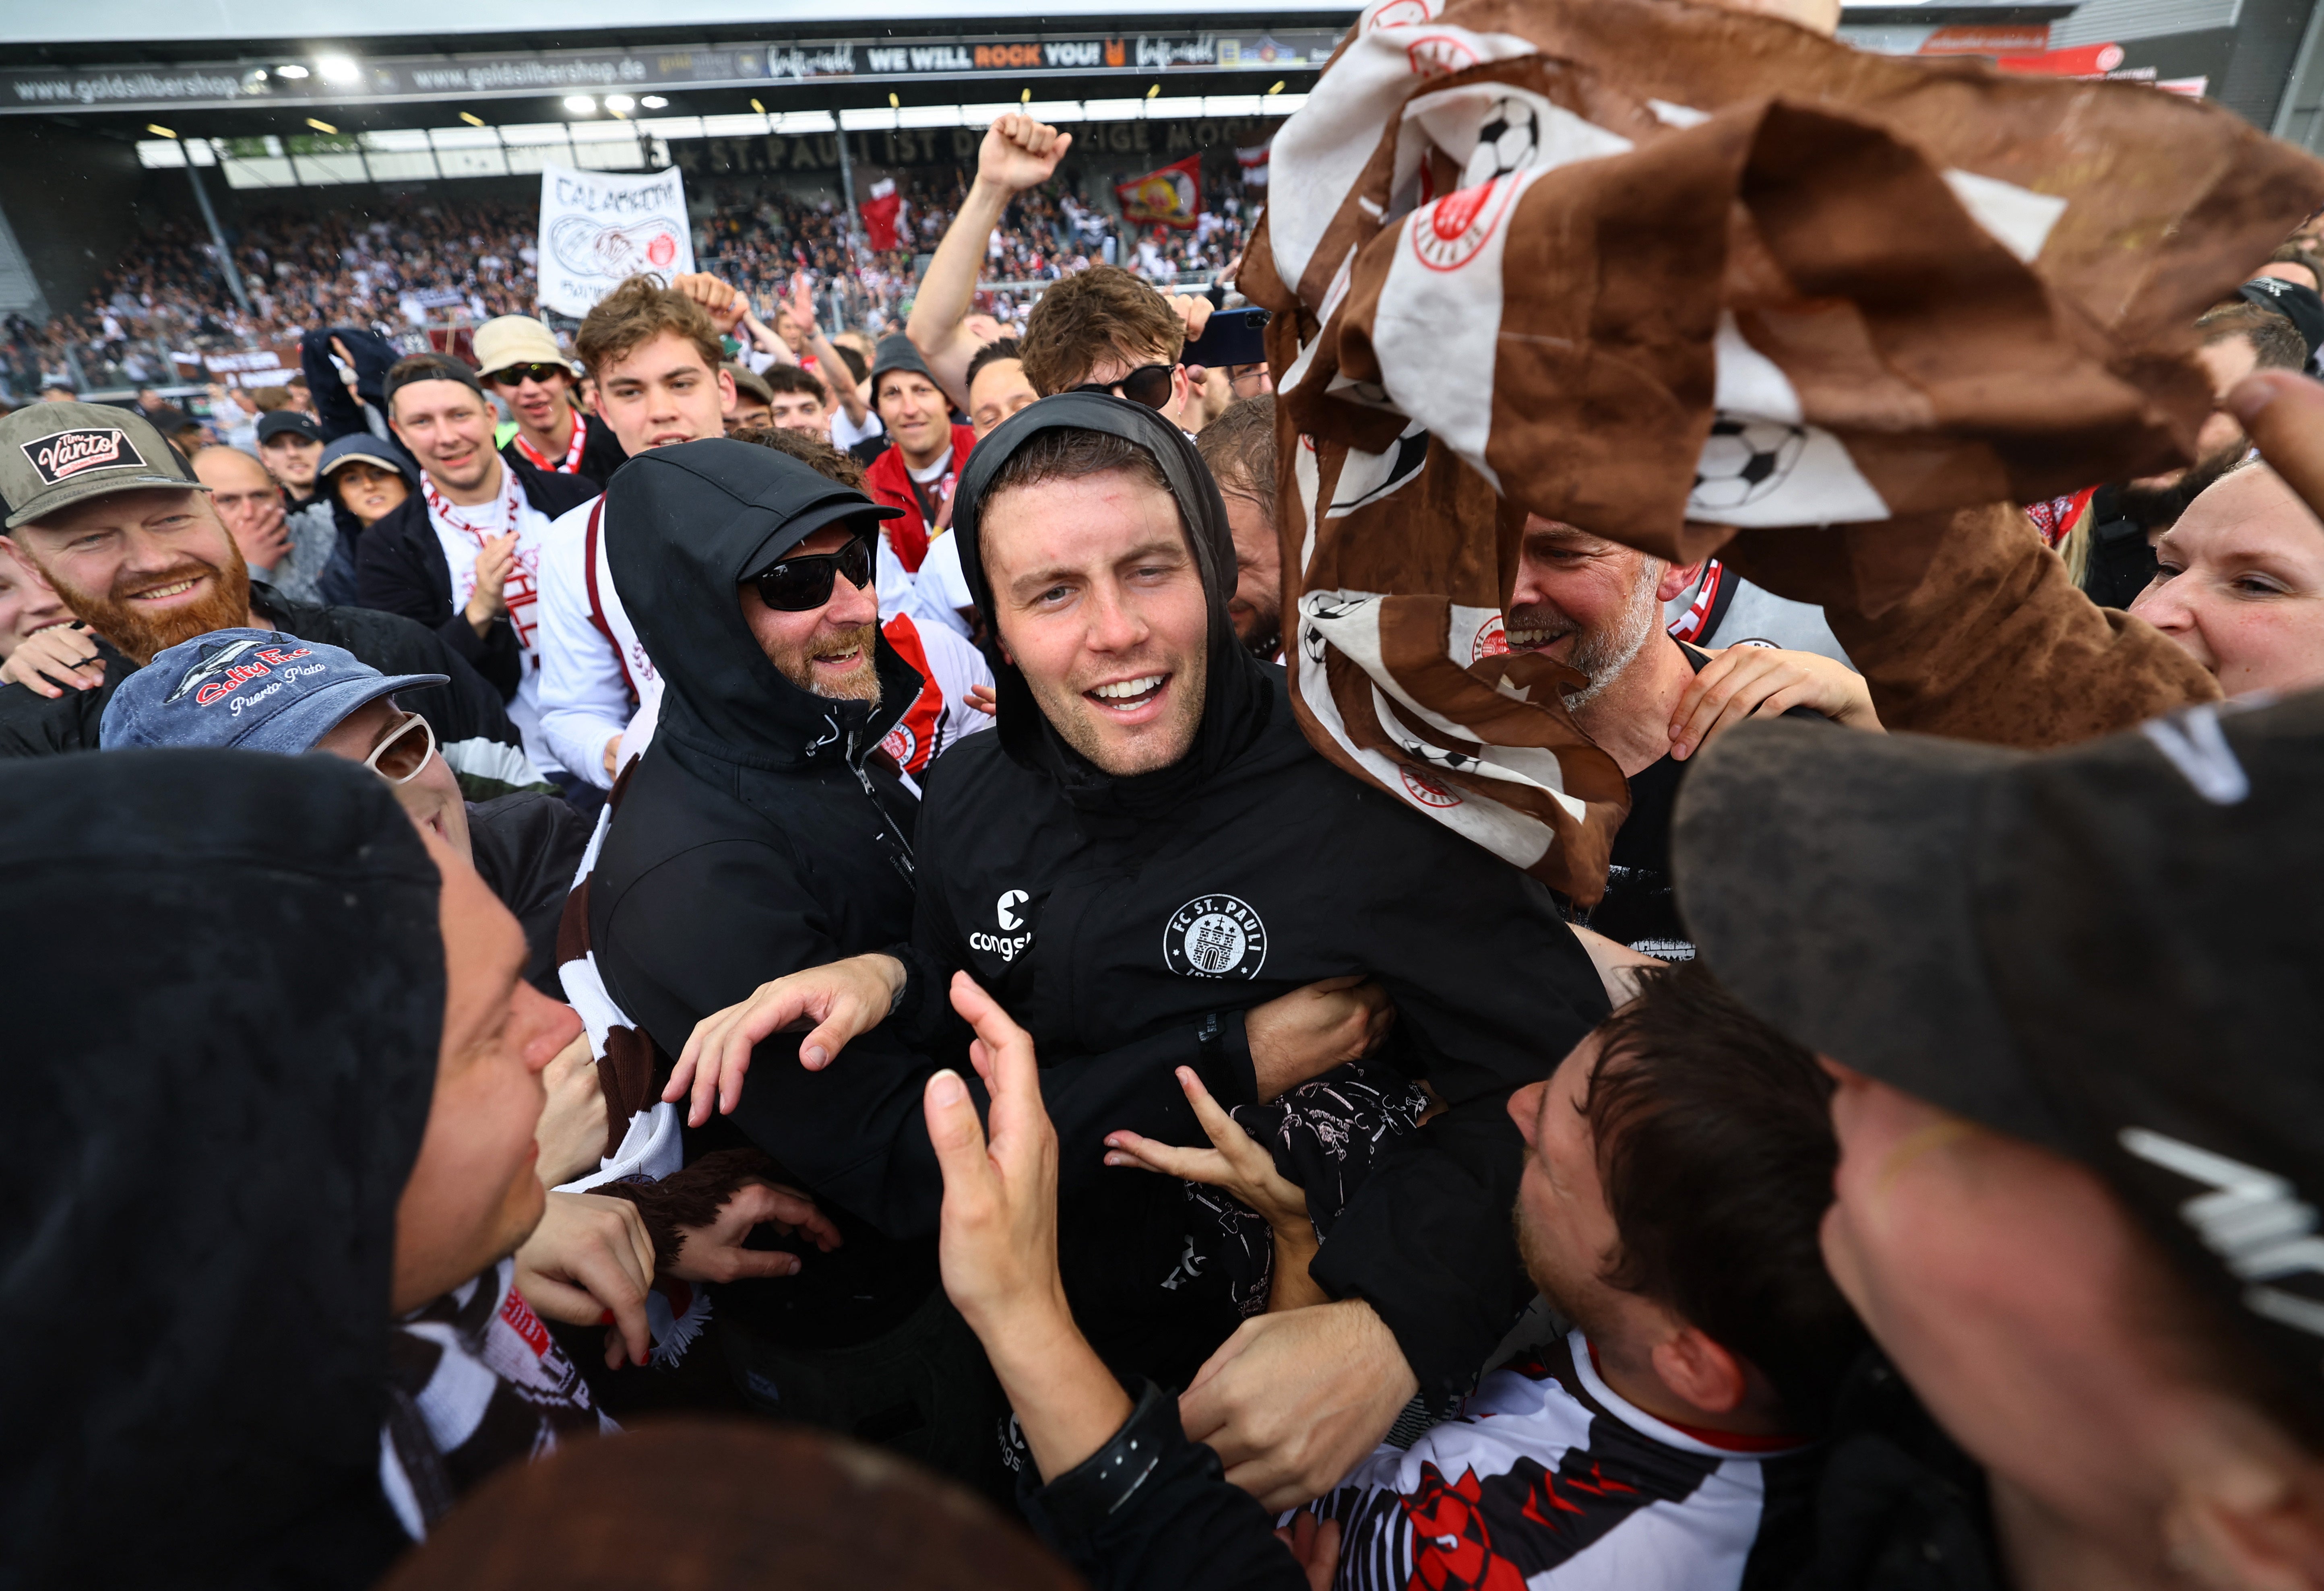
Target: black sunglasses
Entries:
(1148, 384)
(516, 375)
(795, 585)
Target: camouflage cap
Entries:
(53, 456)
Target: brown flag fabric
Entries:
(1664, 272)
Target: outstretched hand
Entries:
(998, 1246)
(716, 1252)
(1235, 1161)
(2283, 412)
(843, 1000)
(1019, 152)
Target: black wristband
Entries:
(1091, 1492)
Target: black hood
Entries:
(1237, 694)
(221, 1071)
(683, 526)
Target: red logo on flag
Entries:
(1427, 792)
(1492, 640)
(1456, 227)
(1434, 54)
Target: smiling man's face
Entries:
(1101, 608)
(145, 569)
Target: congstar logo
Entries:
(1008, 942)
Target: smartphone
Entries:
(1233, 336)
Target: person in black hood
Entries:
(761, 835)
(758, 830)
(1145, 849)
(217, 1221)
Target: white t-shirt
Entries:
(462, 531)
(590, 685)
(845, 433)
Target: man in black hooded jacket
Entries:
(1123, 918)
(760, 833)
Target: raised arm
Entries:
(1019, 153)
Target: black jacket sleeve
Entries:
(668, 973)
(526, 848)
(1427, 1242)
(374, 355)
(1151, 1511)
(401, 569)
(34, 725)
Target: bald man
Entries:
(287, 553)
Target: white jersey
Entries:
(462, 531)
(595, 673)
(1547, 1480)
(1722, 609)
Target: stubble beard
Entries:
(859, 683)
(1602, 654)
(1163, 744)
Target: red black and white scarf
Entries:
(474, 1382)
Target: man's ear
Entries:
(727, 396)
(1676, 578)
(1700, 1371)
(2256, 1520)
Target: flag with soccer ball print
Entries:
(1662, 271)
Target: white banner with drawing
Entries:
(597, 228)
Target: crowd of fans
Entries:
(790, 887)
(451, 263)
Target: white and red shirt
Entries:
(1550, 1480)
(461, 530)
(595, 674)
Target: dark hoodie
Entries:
(214, 1120)
(1120, 919)
(756, 839)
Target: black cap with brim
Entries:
(2111, 950)
(787, 535)
(897, 352)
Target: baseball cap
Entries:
(748, 380)
(515, 339)
(2110, 950)
(366, 447)
(289, 420)
(254, 689)
(2302, 306)
(53, 456)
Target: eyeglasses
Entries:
(1148, 384)
(403, 751)
(516, 375)
(795, 586)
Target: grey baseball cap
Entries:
(53, 456)
(254, 689)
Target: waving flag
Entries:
(879, 213)
(1662, 271)
(1171, 197)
